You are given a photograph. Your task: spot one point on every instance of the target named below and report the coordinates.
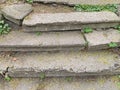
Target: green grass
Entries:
(7, 78)
(117, 27)
(92, 8)
(42, 76)
(29, 1)
(87, 30)
(69, 79)
(112, 45)
(38, 33)
(4, 28)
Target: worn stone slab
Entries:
(93, 2)
(20, 41)
(16, 12)
(76, 83)
(2, 1)
(69, 21)
(118, 10)
(58, 64)
(100, 39)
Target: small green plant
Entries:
(117, 27)
(4, 28)
(29, 1)
(87, 30)
(38, 33)
(112, 45)
(92, 8)
(68, 79)
(42, 76)
(7, 78)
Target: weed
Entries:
(87, 30)
(29, 1)
(92, 8)
(38, 33)
(4, 28)
(112, 45)
(7, 78)
(117, 27)
(68, 79)
(42, 76)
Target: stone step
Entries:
(101, 39)
(59, 41)
(72, 2)
(69, 21)
(75, 83)
(60, 64)
(20, 41)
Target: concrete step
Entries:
(59, 41)
(20, 41)
(60, 64)
(72, 2)
(101, 39)
(75, 83)
(69, 21)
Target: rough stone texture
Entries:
(2, 1)
(55, 64)
(86, 83)
(69, 21)
(81, 1)
(17, 12)
(118, 10)
(100, 39)
(20, 41)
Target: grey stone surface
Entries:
(17, 12)
(118, 10)
(86, 83)
(100, 39)
(2, 1)
(81, 1)
(56, 64)
(20, 41)
(69, 21)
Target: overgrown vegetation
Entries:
(92, 8)
(29, 1)
(4, 28)
(69, 79)
(87, 30)
(38, 33)
(42, 76)
(117, 27)
(112, 45)
(7, 78)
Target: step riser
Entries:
(42, 48)
(65, 83)
(33, 74)
(66, 27)
(73, 2)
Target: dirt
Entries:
(52, 8)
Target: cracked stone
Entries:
(17, 12)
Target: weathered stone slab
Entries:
(118, 11)
(17, 12)
(56, 64)
(96, 2)
(75, 83)
(69, 21)
(100, 39)
(2, 1)
(20, 41)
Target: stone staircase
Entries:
(51, 51)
